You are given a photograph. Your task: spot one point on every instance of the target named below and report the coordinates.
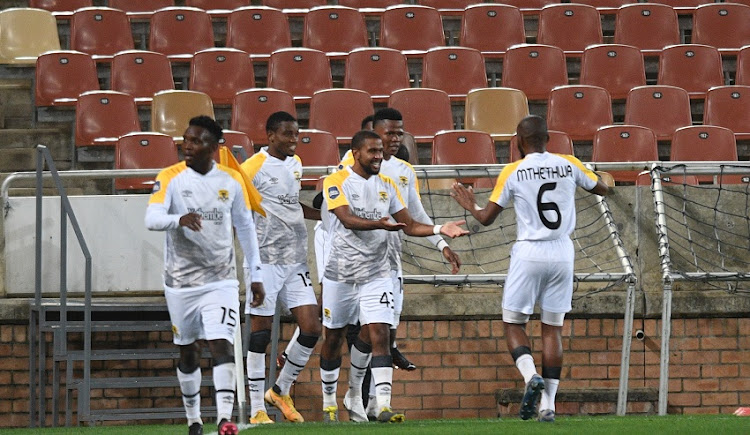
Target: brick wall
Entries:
(462, 363)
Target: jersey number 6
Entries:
(548, 206)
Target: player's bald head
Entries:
(532, 130)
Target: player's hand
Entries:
(464, 196)
(452, 258)
(191, 221)
(452, 229)
(259, 294)
(388, 225)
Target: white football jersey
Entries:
(359, 256)
(197, 258)
(542, 188)
(282, 235)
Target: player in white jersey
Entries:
(276, 172)
(542, 188)
(357, 280)
(197, 202)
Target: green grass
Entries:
(653, 425)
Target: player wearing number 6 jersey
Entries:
(357, 279)
(275, 172)
(542, 189)
(197, 202)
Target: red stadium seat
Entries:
(648, 26)
(705, 143)
(244, 26)
(663, 109)
(231, 139)
(703, 62)
(711, 24)
(139, 5)
(729, 107)
(103, 116)
(100, 31)
(339, 111)
(143, 150)
(179, 32)
(547, 62)
(221, 73)
(492, 28)
(299, 71)
(411, 27)
(624, 143)
(614, 67)
(743, 67)
(579, 110)
(463, 147)
(141, 74)
(425, 111)
(377, 71)
(455, 70)
(60, 5)
(447, 4)
(334, 29)
(217, 4)
(316, 148)
(294, 4)
(62, 75)
(369, 3)
(252, 107)
(556, 22)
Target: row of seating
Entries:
(152, 5)
(613, 143)
(577, 110)
(488, 28)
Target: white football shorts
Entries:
(322, 248)
(540, 272)
(207, 312)
(346, 303)
(288, 284)
(397, 278)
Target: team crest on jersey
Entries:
(383, 196)
(175, 331)
(327, 313)
(297, 175)
(402, 181)
(333, 192)
(157, 187)
(223, 195)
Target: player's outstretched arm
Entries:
(603, 184)
(465, 198)
(354, 222)
(413, 228)
(453, 259)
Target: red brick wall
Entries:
(462, 363)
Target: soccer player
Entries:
(282, 236)
(389, 125)
(357, 280)
(542, 188)
(197, 202)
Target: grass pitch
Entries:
(673, 424)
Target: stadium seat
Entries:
(648, 26)
(231, 139)
(496, 111)
(316, 148)
(141, 74)
(711, 24)
(425, 111)
(463, 147)
(455, 70)
(556, 22)
(729, 107)
(252, 107)
(614, 67)
(377, 71)
(244, 26)
(334, 29)
(299, 71)
(60, 5)
(339, 111)
(492, 28)
(221, 73)
(624, 143)
(144, 150)
(691, 4)
(547, 63)
(411, 28)
(579, 110)
(140, 5)
(62, 75)
(179, 32)
(663, 109)
(604, 4)
(705, 143)
(26, 33)
(529, 4)
(702, 61)
(446, 4)
(559, 143)
(294, 4)
(369, 3)
(742, 76)
(171, 111)
(217, 4)
(103, 116)
(100, 31)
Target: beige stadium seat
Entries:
(171, 111)
(25, 33)
(496, 111)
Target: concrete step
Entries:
(16, 108)
(23, 141)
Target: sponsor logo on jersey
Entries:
(157, 187)
(403, 181)
(215, 215)
(223, 195)
(383, 196)
(288, 199)
(333, 192)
